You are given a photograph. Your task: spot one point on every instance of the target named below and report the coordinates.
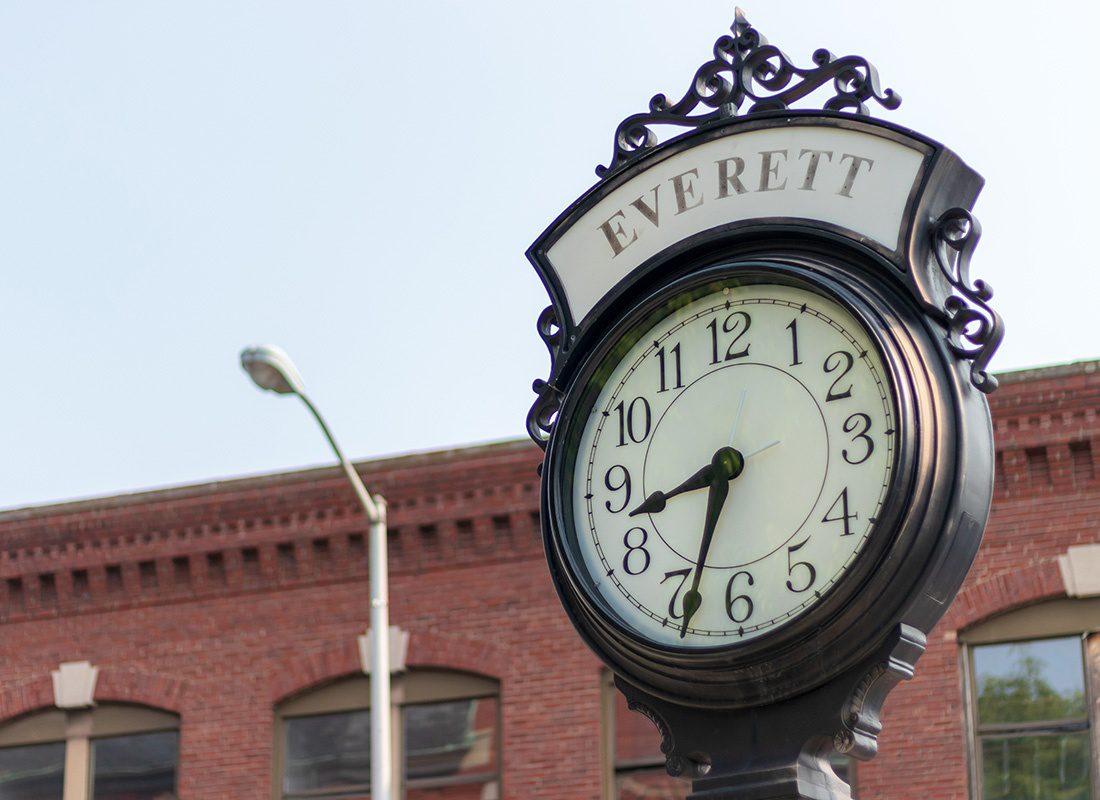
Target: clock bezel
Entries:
(826, 638)
(574, 489)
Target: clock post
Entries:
(768, 451)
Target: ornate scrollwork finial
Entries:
(544, 412)
(975, 330)
(746, 68)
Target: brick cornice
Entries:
(1073, 369)
(278, 532)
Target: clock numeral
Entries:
(628, 421)
(675, 352)
(793, 328)
(738, 322)
(842, 501)
(631, 549)
(743, 599)
(833, 362)
(682, 574)
(852, 424)
(621, 486)
(793, 565)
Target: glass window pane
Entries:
(1036, 767)
(650, 784)
(844, 767)
(328, 755)
(1030, 681)
(140, 767)
(33, 772)
(453, 741)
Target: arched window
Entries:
(446, 739)
(1032, 724)
(111, 752)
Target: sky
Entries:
(358, 182)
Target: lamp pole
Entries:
(271, 368)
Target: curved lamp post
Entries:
(271, 368)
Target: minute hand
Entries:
(716, 499)
(728, 464)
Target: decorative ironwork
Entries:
(863, 723)
(843, 741)
(746, 68)
(690, 765)
(674, 763)
(975, 330)
(544, 411)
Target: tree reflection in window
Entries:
(1032, 720)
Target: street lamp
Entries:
(271, 368)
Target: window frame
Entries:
(1054, 619)
(79, 729)
(611, 766)
(414, 687)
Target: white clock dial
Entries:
(732, 464)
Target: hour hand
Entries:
(656, 501)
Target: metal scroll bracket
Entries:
(974, 329)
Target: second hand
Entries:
(760, 450)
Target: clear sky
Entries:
(358, 183)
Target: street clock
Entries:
(768, 449)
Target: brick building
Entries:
(204, 641)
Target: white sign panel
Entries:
(852, 179)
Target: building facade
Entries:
(207, 641)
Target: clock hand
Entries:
(727, 464)
(716, 499)
(737, 416)
(760, 450)
(656, 501)
(703, 478)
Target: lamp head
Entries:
(271, 368)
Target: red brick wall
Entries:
(218, 601)
(1047, 429)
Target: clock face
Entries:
(734, 451)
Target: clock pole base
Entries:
(781, 751)
(803, 781)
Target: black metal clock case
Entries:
(825, 674)
(943, 436)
